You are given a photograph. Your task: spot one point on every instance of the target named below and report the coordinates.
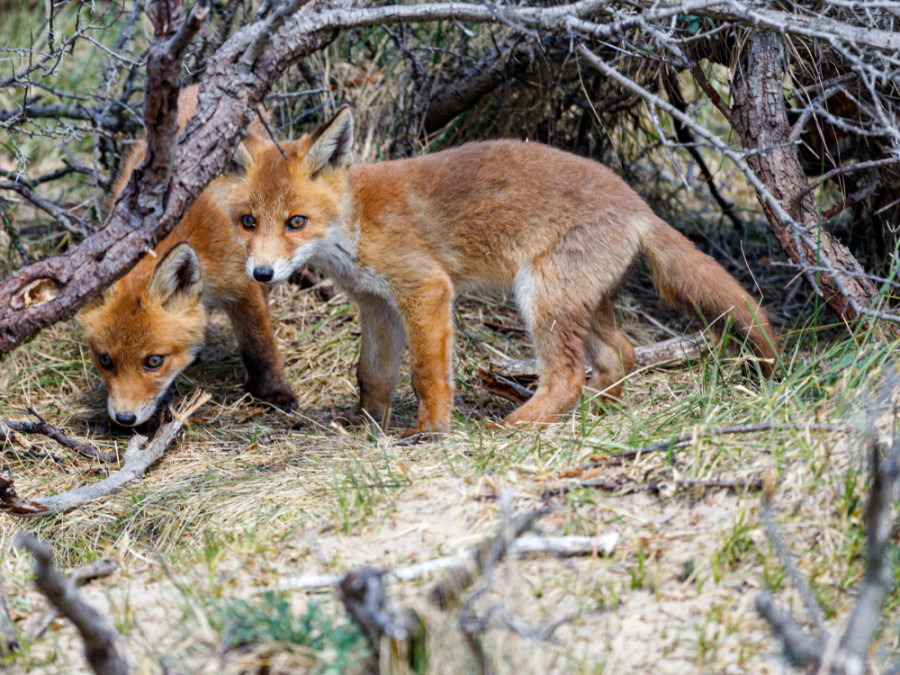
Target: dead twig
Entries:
(138, 458)
(655, 486)
(100, 640)
(498, 378)
(41, 426)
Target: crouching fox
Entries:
(148, 327)
(402, 237)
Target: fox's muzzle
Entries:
(263, 273)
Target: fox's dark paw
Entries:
(285, 400)
(350, 418)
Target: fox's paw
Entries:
(349, 418)
(285, 400)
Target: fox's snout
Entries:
(263, 273)
(269, 271)
(128, 412)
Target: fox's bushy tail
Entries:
(693, 282)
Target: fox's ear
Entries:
(98, 302)
(241, 161)
(177, 272)
(332, 143)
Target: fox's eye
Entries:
(105, 361)
(154, 362)
(248, 222)
(296, 223)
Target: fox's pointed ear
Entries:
(177, 272)
(331, 145)
(242, 160)
(98, 302)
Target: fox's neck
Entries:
(338, 253)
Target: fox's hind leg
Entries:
(265, 378)
(558, 325)
(383, 340)
(609, 352)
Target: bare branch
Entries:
(139, 456)
(101, 642)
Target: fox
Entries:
(150, 325)
(403, 237)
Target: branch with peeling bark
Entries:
(139, 456)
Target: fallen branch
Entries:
(499, 378)
(41, 426)
(523, 546)
(78, 577)
(655, 486)
(8, 437)
(100, 639)
(137, 459)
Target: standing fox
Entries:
(148, 327)
(403, 236)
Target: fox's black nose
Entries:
(126, 418)
(263, 273)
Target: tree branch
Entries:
(101, 641)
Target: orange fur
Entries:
(141, 316)
(402, 237)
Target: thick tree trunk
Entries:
(759, 117)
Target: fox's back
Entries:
(486, 209)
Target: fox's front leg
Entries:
(265, 378)
(383, 340)
(426, 310)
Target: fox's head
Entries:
(283, 197)
(142, 335)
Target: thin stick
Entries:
(138, 459)
(41, 426)
(653, 486)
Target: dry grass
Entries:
(248, 497)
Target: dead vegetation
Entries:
(248, 499)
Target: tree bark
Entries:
(759, 117)
(53, 289)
